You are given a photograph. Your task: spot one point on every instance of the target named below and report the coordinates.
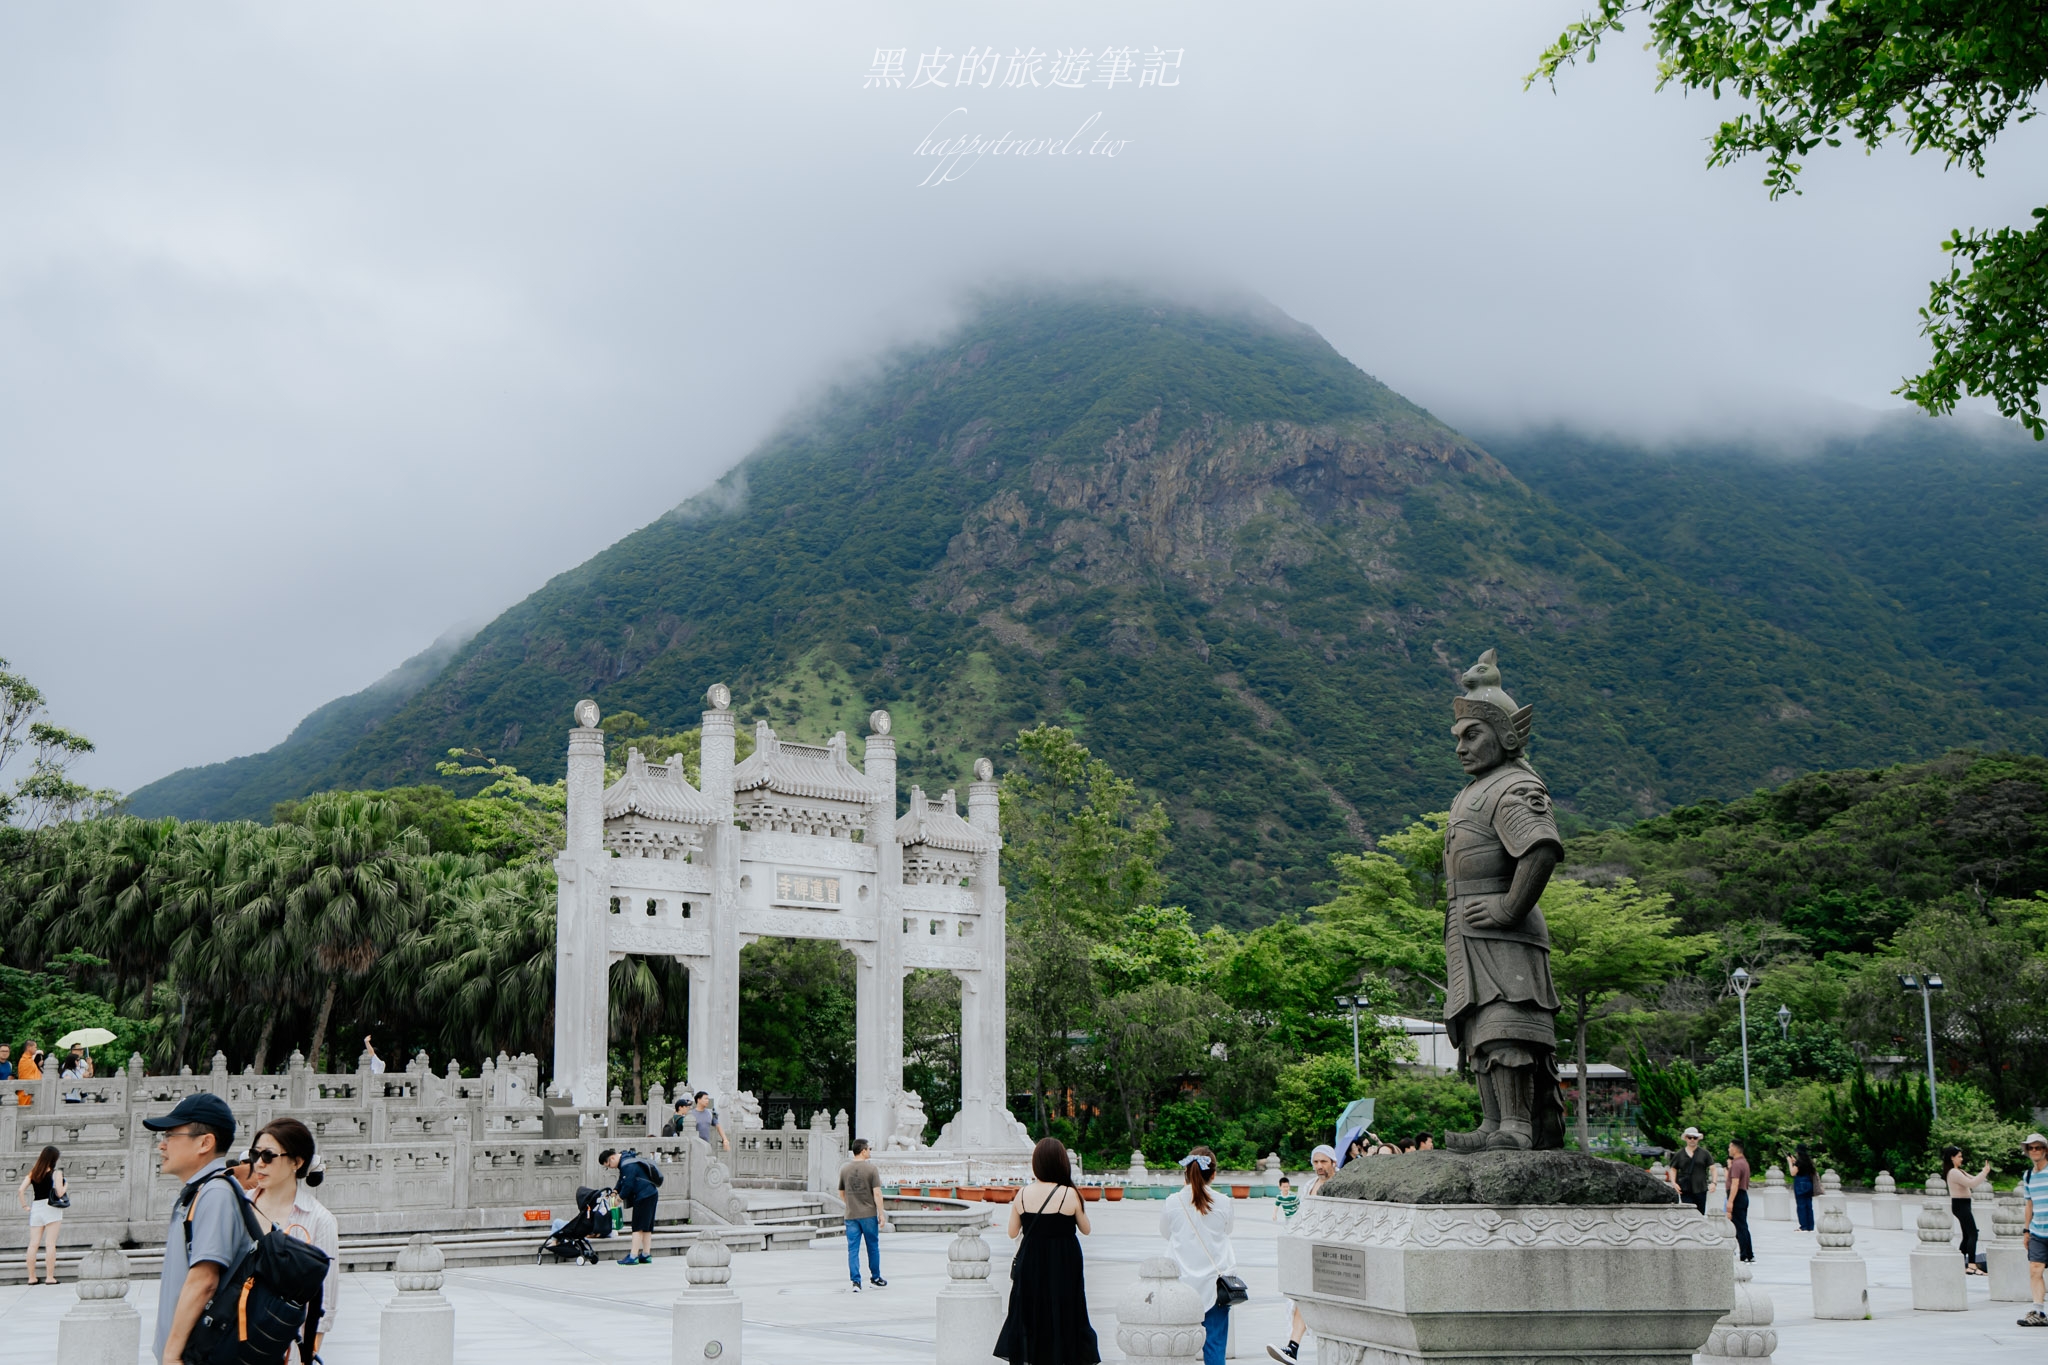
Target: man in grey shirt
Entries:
(193, 1144)
(706, 1119)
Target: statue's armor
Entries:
(1499, 979)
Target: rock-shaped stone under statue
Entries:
(1499, 851)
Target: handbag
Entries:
(270, 1297)
(1229, 1288)
(59, 1201)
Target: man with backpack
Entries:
(192, 1141)
(639, 1190)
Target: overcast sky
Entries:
(326, 327)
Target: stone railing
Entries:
(405, 1151)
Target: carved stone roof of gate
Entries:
(659, 792)
(937, 824)
(819, 771)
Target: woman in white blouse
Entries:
(286, 1166)
(1197, 1225)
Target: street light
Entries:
(1741, 981)
(1785, 1022)
(1926, 986)
(1353, 1003)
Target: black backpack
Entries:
(269, 1297)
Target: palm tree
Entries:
(354, 895)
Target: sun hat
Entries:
(1694, 1132)
(2033, 1138)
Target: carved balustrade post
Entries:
(102, 1328)
(418, 1326)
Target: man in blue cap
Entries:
(193, 1141)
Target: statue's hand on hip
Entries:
(1499, 917)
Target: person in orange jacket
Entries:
(27, 1071)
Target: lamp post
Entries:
(1352, 1002)
(1785, 1023)
(1926, 985)
(1740, 979)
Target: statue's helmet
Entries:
(1484, 700)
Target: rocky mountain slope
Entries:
(1245, 571)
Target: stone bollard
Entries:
(970, 1308)
(1136, 1175)
(1841, 1282)
(1774, 1200)
(418, 1326)
(2005, 1255)
(1159, 1318)
(1884, 1205)
(1937, 1269)
(1745, 1333)
(102, 1328)
(707, 1314)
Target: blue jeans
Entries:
(1802, 1191)
(857, 1228)
(1216, 1325)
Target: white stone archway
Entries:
(796, 842)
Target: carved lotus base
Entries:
(1400, 1284)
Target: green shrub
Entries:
(1877, 1126)
(1662, 1092)
(1312, 1094)
(1968, 1121)
(1179, 1126)
(1811, 1052)
(1409, 1106)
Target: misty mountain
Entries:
(246, 788)
(1248, 574)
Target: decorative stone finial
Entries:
(1834, 1231)
(1936, 1188)
(1885, 1184)
(103, 1274)
(878, 722)
(297, 1061)
(967, 1256)
(1159, 1318)
(1746, 1332)
(2009, 1218)
(1830, 1183)
(1933, 1224)
(984, 771)
(720, 697)
(709, 1262)
(586, 714)
(419, 1266)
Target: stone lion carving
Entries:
(910, 1122)
(750, 1109)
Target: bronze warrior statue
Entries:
(1499, 851)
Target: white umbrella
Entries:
(88, 1037)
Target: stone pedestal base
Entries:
(106, 1332)
(970, 1320)
(707, 1327)
(416, 1329)
(1938, 1280)
(2007, 1263)
(1774, 1204)
(1841, 1288)
(1387, 1282)
(1884, 1213)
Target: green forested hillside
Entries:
(1245, 572)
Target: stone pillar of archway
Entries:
(878, 1009)
(582, 901)
(714, 1060)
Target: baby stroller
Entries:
(571, 1241)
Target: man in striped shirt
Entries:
(2033, 1188)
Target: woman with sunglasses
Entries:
(1197, 1226)
(286, 1166)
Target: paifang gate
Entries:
(796, 842)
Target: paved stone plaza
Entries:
(798, 1308)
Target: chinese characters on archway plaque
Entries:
(802, 889)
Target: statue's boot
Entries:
(1513, 1135)
(1480, 1138)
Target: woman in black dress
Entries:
(1048, 1322)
